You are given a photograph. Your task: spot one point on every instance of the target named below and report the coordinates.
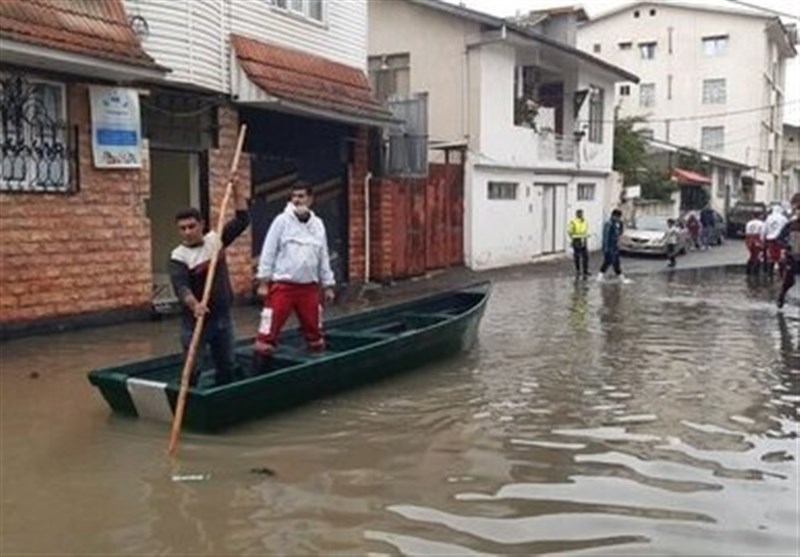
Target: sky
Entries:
(505, 8)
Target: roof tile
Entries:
(306, 79)
(97, 28)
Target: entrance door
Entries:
(554, 218)
(174, 184)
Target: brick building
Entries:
(85, 244)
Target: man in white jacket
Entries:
(294, 265)
(772, 229)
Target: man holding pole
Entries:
(189, 266)
(293, 267)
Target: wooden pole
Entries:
(198, 327)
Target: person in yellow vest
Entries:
(578, 232)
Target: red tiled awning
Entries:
(690, 178)
(305, 83)
(93, 28)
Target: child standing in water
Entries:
(673, 232)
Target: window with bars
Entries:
(35, 146)
(596, 109)
(586, 192)
(714, 91)
(390, 76)
(502, 190)
(647, 95)
(624, 90)
(712, 138)
(311, 9)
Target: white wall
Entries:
(191, 37)
(436, 44)
(509, 232)
(742, 66)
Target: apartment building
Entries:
(711, 78)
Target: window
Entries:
(648, 50)
(652, 13)
(712, 138)
(596, 108)
(625, 90)
(669, 87)
(503, 190)
(596, 48)
(408, 142)
(586, 192)
(715, 46)
(647, 95)
(714, 91)
(636, 13)
(722, 181)
(626, 45)
(390, 76)
(34, 151)
(646, 133)
(311, 9)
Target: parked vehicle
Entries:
(740, 214)
(648, 236)
(363, 347)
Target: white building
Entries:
(711, 78)
(522, 184)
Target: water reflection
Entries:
(657, 417)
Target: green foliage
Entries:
(630, 153)
(657, 185)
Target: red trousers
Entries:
(755, 247)
(283, 298)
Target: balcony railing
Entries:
(556, 148)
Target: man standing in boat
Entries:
(189, 264)
(293, 267)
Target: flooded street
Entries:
(652, 418)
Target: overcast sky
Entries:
(505, 8)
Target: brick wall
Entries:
(65, 254)
(358, 172)
(381, 225)
(219, 165)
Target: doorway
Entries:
(554, 218)
(174, 184)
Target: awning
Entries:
(294, 81)
(690, 178)
(84, 37)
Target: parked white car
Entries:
(649, 236)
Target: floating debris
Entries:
(262, 471)
(191, 477)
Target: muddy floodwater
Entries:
(659, 417)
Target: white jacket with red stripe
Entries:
(296, 251)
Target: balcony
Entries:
(555, 148)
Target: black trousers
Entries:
(672, 251)
(580, 253)
(611, 259)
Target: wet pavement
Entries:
(659, 417)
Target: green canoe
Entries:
(364, 347)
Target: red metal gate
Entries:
(427, 230)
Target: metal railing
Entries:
(556, 148)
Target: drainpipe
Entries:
(367, 250)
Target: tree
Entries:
(631, 160)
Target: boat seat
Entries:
(368, 334)
(432, 315)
